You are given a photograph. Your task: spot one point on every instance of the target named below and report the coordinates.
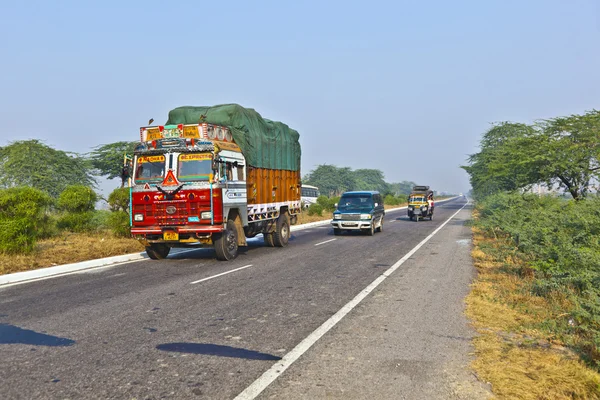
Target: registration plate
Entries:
(170, 236)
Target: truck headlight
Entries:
(138, 217)
(365, 216)
(424, 208)
(206, 215)
(337, 216)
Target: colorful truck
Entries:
(214, 176)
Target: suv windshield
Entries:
(356, 202)
(150, 168)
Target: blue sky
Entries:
(404, 87)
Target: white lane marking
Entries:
(327, 241)
(278, 368)
(221, 274)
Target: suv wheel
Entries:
(371, 230)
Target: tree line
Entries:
(561, 152)
(332, 181)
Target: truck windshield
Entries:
(417, 199)
(355, 202)
(195, 167)
(149, 168)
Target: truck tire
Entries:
(281, 236)
(158, 251)
(226, 242)
(269, 239)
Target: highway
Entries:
(273, 323)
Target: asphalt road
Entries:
(181, 328)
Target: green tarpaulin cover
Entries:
(264, 143)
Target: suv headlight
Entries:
(138, 217)
(365, 216)
(337, 216)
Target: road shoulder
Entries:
(409, 339)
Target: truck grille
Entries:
(163, 212)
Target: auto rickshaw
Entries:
(420, 203)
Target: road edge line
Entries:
(270, 375)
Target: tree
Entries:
(107, 159)
(571, 152)
(371, 179)
(331, 180)
(562, 151)
(404, 187)
(509, 159)
(32, 163)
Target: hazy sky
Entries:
(406, 87)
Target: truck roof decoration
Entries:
(188, 131)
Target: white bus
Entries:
(309, 195)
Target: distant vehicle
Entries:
(420, 203)
(309, 195)
(359, 211)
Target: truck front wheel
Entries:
(158, 251)
(226, 242)
(281, 236)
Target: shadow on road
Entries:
(216, 350)
(10, 334)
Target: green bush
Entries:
(560, 239)
(315, 209)
(100, 220)
(327, 204)
(392, 200)
(77, 199)
(118, 199)
(23, 218)
(118, 222)
(77, 222)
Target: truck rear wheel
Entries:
(226, 242)
(158, 251)
(269, 239)
(281, 236)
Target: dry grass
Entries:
(69, 248)
(519, 361)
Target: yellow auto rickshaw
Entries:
(420, 203)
